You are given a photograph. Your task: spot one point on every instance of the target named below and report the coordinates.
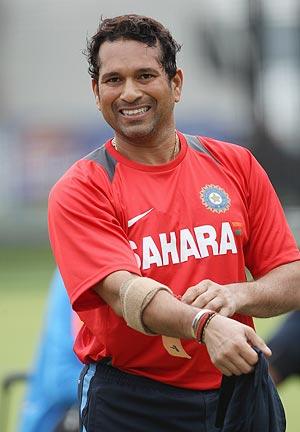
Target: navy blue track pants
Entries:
(114, 401)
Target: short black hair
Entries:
(134, 27)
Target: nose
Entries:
(130, 91)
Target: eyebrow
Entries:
(147, 70)
(115, 73)
(108, 75)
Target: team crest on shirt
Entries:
(214, 198)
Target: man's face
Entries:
(133, 92)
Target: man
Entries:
(152, 233)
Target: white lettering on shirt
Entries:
(187, 245)
(178, 247)
(169, 248)
(206, 236)
(137, 257)
(227, 239)
(151, 253)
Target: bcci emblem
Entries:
(215, 198)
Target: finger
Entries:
(220, 305)
(240, 359)
(225, 371)
(192, 293)
(202, 300)
(242, 365)
(231, 366)
(248, 353)
(258, 342)
(226, 311)
(216, 304)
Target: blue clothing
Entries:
(115, 401)
(285, 347)
(52, 388)
(250, 403)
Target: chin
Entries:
(136, 133)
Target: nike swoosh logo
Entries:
(138, 217)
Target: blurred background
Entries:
(241, 62)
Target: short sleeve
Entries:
(86, 233)
(270, 242)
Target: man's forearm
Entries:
(273, 294)
(168, 316)
(164, 315)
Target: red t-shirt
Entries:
(207, 214)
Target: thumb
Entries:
(258, 342)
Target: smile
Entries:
(134, 112)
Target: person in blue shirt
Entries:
(52, 387)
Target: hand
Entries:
(229, 344)
(210, 295)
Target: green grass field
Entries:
(25, 275)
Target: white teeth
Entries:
(128, 112)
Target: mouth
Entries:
(134, 112)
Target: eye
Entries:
(113, 80)
(146, 76)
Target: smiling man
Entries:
(152, 233)
(136, 97)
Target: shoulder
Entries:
(236, 161)
(102, 158)
(227, 153)
(232, 157)
(93, 172)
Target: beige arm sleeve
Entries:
(135, 295)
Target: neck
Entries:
(147, 153)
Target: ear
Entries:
(96, 93)
(177, 82)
